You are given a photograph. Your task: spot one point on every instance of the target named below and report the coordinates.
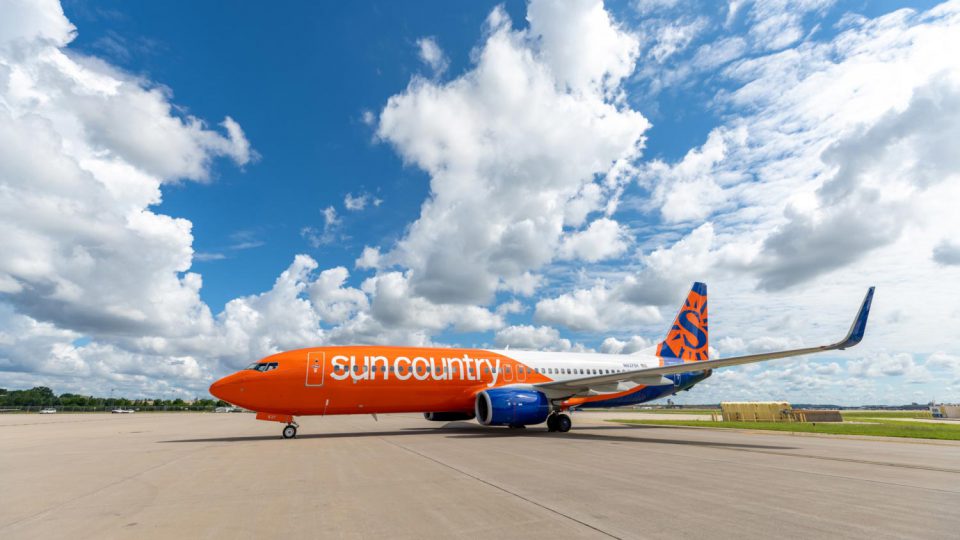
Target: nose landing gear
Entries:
(290, 430)
(559, 422)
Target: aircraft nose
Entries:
(227, 388)
(217, 388)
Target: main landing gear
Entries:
(559, 422)
(290, 430)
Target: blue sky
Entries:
(479, 174)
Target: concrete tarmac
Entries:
(155, 475)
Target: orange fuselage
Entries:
(362, 379)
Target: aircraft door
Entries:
(521, 372)
(507, 372)
(316, 366)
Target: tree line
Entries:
(42, 396)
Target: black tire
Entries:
(289, 432)
(564, 423)
(552, 423)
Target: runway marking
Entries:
(501, 488)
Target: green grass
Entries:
(683, 411)
(885, 414)
(877, 428)
(658, 411)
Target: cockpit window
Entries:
(263, 366)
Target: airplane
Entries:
(512, 388)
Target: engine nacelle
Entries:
(447, 416)
(506, 406)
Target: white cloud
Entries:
(432, 55)
(513, 306)
(776, 24)
(940, 361)
(720, 52)
(208, 256)
(352, 203)
(355, 203)
(612, 345)
(332, 301)
(594, 310)
(368, 118)
(692, 189)
(327, 235)
(603, 239)
(888, 365)
(532, 337)
(586, 50)
(369, 258)
(947, 253)
(84, 149)
(508, 145)
(396, 305)
(674, 38)
(647, 7)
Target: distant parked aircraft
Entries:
(497, 387)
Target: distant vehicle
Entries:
(48, 411)
(122, 411)
(497, 387)
(228, 409)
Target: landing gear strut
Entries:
(290, 431)
(559, 422)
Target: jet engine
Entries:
(511, 407)
(447, 416)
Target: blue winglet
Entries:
(859, 324)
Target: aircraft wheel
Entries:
(563, 423)
(552, 423)
(289, 432)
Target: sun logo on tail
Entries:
(687, 339)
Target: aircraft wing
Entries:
(653, 376)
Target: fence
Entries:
(105, 408)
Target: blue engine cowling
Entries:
(508, 406)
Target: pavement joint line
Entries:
(501, 488)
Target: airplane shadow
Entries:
(461, 430)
